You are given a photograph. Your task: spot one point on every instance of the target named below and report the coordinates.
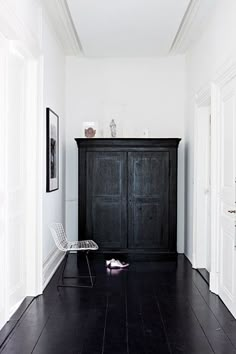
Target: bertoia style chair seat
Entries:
(66, 246)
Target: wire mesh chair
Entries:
(66, 246)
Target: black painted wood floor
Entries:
(162, 307)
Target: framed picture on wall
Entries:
(52, 169)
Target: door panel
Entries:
(106, 211)
(228, 262)
(16, 179)
(148, 196)
(202, 214)
(227, 196)
(3, 181)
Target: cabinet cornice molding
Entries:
(132, 142)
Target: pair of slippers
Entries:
(116, 264)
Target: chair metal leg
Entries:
(64, 266)
(80, 276)
(61, 275)
(91, 278)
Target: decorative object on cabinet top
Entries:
(89, 129)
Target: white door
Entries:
(227, 281)
(202, 215)
(3, 278)
(21, 162)
(16, 179)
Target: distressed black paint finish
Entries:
(106, 198)
(128, 194)
(148, 197)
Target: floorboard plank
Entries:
(151, 307)
(115, 331)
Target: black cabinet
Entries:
(128, 194)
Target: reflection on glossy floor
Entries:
(152, 307)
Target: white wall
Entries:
(26, 23)
(203, 61)
(140, 94)
(54, 98)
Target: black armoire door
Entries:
(106, 194)
(148, 198)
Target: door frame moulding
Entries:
(18, 37)
(33, 195)
(212, 92)
(202, 99)
(34, 281)
(224, 75)
(3, 180)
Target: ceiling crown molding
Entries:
(12, 27)
(61, 20)
(184, 33)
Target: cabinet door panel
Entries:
(106, 210)
(148, 230)
(148, 192)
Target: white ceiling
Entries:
(128, 28)
(114, 28)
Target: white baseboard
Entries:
(189, 258)
(15, 307)
(51, 264)
(214, 283)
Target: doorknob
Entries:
(232, 211)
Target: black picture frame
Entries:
(52, 150)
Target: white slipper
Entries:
(115, 263)
(108, 261)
